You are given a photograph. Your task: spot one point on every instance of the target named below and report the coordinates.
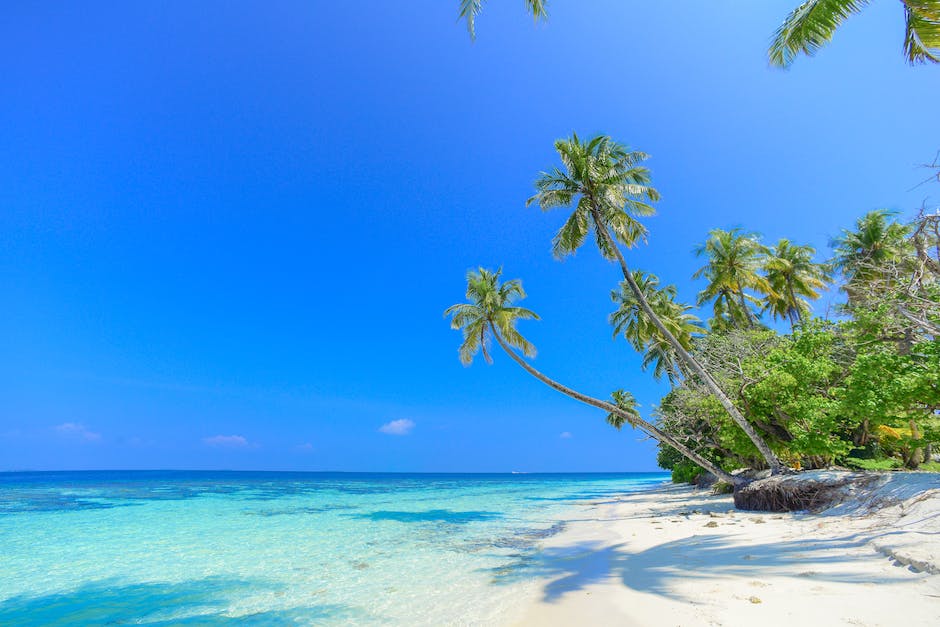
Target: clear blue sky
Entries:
(228, 230)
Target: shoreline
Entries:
(676, 555)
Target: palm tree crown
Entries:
(733, 265)
(876, 240)
(626, 402)
(811, 25)
(598, 174)
(637, 328)
(794, 277)
(490, 311)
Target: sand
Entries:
(679, 556)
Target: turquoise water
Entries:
(214, 548)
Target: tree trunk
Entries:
(776, 467)
(748, 317)
(638, 422)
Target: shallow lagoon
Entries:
(270, 548)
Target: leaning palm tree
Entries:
(811, 25)
(794, 277)
(469, 9)
(610, 189)
(733, 266)
(628, 320)
(491, 314)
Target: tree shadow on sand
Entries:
(699, 558)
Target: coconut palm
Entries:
(469, 9)
(811, 25)
(610, 189)
(491, 314)
(877, 244)
(794, 277)
(733, 265)
(628, 320)
(627, 403)
(876, 240)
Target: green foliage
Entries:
(872, 464)
(793, 278)
(811, 25)
(668, 457)
(630, 321)
(626, 402)
(608, 187)
(490, 310)
(685, 472)
(733, 264)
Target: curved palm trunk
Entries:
(690, 362)
(644, 426)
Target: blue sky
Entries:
(228, 230)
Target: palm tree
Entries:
(734, 262)
(490, 314)
(643, 335)
(793, 277)
(609, 189)
(862, 254)
(630, 409)
(811, 25)
(469, 9)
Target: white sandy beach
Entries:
(678, 556)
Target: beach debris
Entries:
(711, 524)
(755, 600)
(759, 520)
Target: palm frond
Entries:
(572, 235)
(468, 11)
(809, 27)
(922, 31)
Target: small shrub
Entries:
(685, 472)
(872, 464)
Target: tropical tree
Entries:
(491, 314)
(863, 254)
(469, 9)
(628, 320)
(811, 25)
(793, 277)
(733, 265)
(610, 188)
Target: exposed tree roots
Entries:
(790, 493)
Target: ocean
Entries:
(279, 548)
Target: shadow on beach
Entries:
(699, 558)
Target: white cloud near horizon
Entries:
(226, 441)
(77, 431)
(402, 426)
